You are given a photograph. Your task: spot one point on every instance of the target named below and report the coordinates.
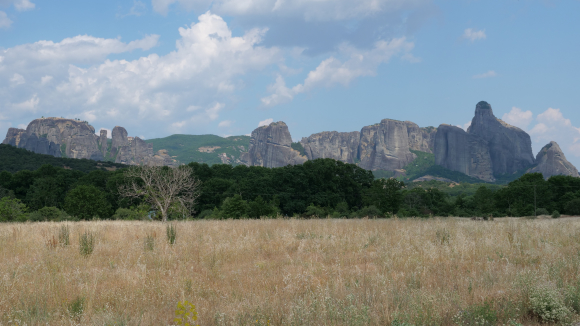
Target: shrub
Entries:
(573, 297)
(47, 214)
(64, 235)
(542, 211)
(171, 234)
(261, 208)
(478, 314)
(314, 211)
(12, 210)
(150, 241)
(86, 202)
(76, 307)
(87, 243)
(573, 207)
(205, 214)
(555, 214)
(234, 207)
(133, 213)
(547, 303)
(370, 211)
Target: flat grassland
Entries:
(294, 272)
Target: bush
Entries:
(542, 211)
(573, 207)
(206, 214)
(87, 243)
(234, 207)
(171, 234)
(314, 211)
(482, 314)
(133, 213)
(86, 202)
(368, 211)
(12, 210)
(547, 303)
(261, 208)
(47, 214)
(555, 214)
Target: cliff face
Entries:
(493, 146)
(385, 146)
(76, 139)
(341, 146)
(421, 139)
(552, 161)
(510, 147)
(57, 137)
(270, 147)
(459, 151)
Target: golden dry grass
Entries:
(283, 272)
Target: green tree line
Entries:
(322, 187)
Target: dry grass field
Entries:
(294, 272)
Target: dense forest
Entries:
(323, 187)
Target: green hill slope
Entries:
(208, 149)
(14, 159)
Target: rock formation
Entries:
(488, 149)
(270, 147)
(457, 150)
(551, 161)
(385, 146)
(341, 146)
(119, 138)
(76, 139)
(510, 147)
(421, 139)
(103, 143)
(57, 137)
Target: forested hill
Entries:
(14, 159)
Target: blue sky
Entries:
(159, 67)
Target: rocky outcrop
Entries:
(57, 137)
(119, 138)
(552, 161)
(270, 146)
(488, 149)
(421, 139)
(510, 147)
(385, 146)
(103, 144)
(457, 150)
(14, 136)
(341, 146)
(76, 139)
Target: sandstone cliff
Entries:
(76, 139)
(57, 137)
(459, 151)
(270, 147)
(421, 139)
(341, 146)
(510, 147)
(385, 146)
(552, 161)
(488, 149)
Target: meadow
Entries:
(447, 271)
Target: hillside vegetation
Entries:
(202, 148)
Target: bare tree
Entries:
(170, 190)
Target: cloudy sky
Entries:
(160, 67)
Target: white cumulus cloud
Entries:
(518, 118)
(488, 74)
(326, 10)
(225, 123)
(182, 86)
(5, 22)
(474, 35)
(333, 71)
(266, 122)
(17, 79)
